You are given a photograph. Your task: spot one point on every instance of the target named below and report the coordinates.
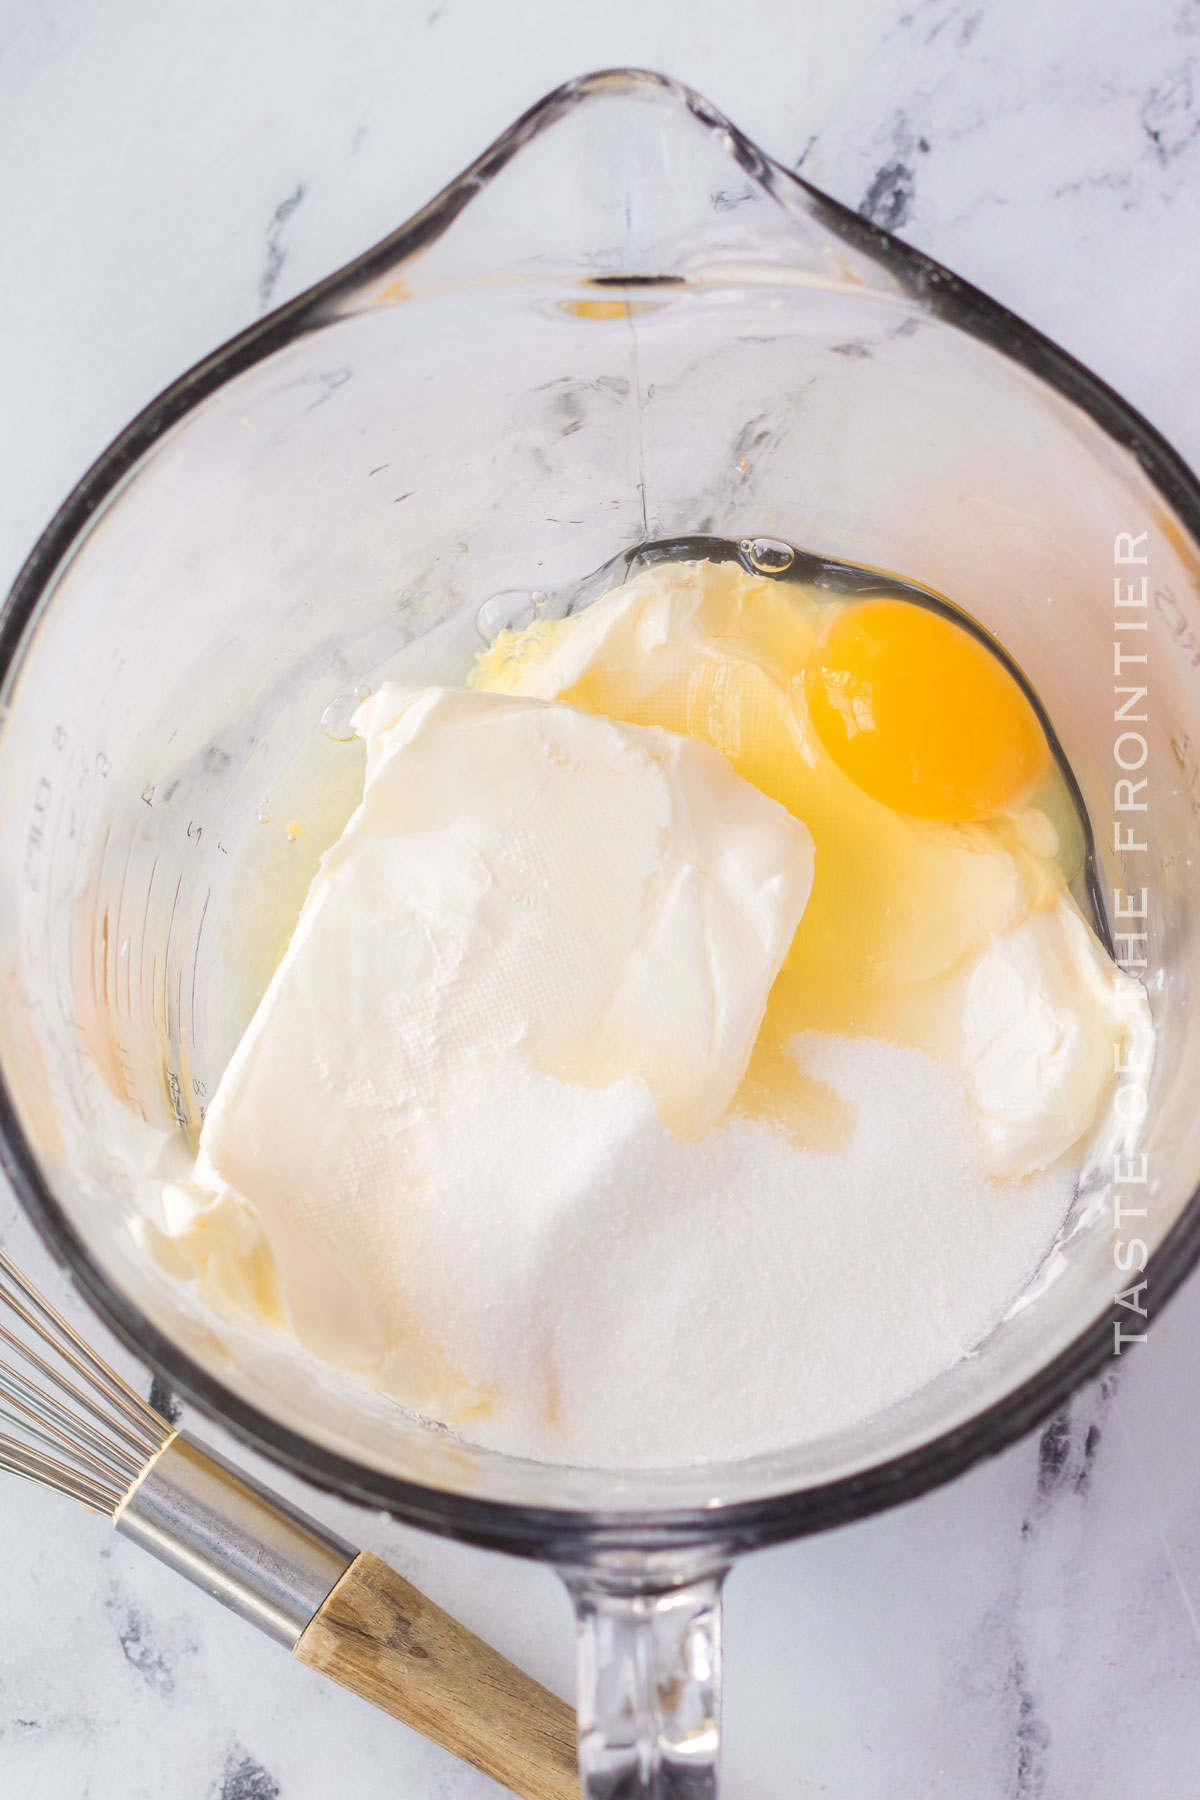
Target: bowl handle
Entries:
(649, 1699)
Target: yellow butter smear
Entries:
(898, 906)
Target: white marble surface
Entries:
(167, 174)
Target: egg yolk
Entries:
(922, 716)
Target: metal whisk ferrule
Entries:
(84, 1432)
(78, 1428)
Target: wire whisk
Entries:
(75, 1426)
(81, 1429)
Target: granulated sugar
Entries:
(619, 1295)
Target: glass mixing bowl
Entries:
(623, 325)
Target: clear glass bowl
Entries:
(623, 325)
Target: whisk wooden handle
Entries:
(83, 1431)
(347, 1615)
(382, 1639)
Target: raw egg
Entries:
(897, 902)
(921, 715)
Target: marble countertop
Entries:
(169, 174)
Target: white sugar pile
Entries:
(628, 1297)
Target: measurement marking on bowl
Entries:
(195, 962)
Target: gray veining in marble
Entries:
(167, 174)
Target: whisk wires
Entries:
(76, 1426)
